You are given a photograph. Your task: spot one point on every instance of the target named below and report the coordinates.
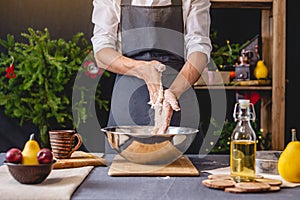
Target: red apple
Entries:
(14, 155)
(45, 156)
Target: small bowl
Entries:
(30, 174)
(138, 144)
(267, 162)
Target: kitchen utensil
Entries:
(63, 142)
(140, 145)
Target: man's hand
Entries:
(164, 115)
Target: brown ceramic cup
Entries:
(63, 142)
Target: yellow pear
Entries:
(261, 70)
(289, 162)
(30, 152)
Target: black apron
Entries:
(151, 33)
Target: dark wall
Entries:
(64, 18)
(293, 70)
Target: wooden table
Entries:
(99, 185)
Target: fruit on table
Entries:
(261, 70)
(30, 151)
(289, 162)
(14, 155)
(45, 156)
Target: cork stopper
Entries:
(294, 137)
(244, 103)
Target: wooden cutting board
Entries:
(80, 159)
(181, 167)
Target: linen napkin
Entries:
(59, 185)
(226, 170)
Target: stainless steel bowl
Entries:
(140, 145)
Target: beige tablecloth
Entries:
(59, 185)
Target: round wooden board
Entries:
(228, 177)
(259, 176)
(274, 188)
(219, 177)
(226, 182)
(234, 190)
(218, 184)
(253, 186)
(272, 182)
(238, 190)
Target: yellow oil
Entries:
(242, 160)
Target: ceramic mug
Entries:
(63, 142)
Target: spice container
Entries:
(267, 162)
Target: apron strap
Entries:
(176, 2)
(173, 2)
(125, 2)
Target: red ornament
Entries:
(91, 69)
(10, 72)
(254, 97)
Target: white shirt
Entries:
(196, 18)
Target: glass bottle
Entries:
(243, 143)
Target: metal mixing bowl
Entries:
(140, 145)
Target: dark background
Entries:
(64, 18)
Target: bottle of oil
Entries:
(243, 143)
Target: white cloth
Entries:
(59, 185)
(196, 17)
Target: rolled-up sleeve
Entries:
(198, 28)
(105, 18)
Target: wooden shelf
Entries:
(257, 4)
(273, 35)
(220, 87)
(242, 1)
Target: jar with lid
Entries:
(243, 143)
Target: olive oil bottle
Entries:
(243, 143)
